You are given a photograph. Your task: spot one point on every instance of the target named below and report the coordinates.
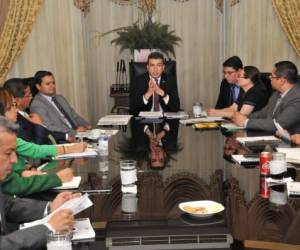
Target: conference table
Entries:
(196, 166)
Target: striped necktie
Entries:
(156, 99)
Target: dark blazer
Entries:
(139, 87)
(21, 210)
(38, 134)
(287, 114)
(225, 99)
(52, 119)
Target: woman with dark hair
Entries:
(254, 98)
(22, 181)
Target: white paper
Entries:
(282, 132)
(76, 205)
(243, 140)
(231, 126)
(292, 154)
(114, 120)
(74, 183)
(87, 153)
(176, 115)
(95, 133)
(293, 188)
(240, 159)
(151, 114)
(202, 119)
(83, 229)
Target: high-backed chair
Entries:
(137, 68)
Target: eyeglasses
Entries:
(243, 77)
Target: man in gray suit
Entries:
(55, 111)
(283, 105)
(22, 210)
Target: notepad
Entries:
(94, 134)
(258, 139)
(151, 114)
(73, 184)
(87, 153)
(176, 115)
(200, 120)
(242, 160)
(231, 127)
(292, 154)
(293, 188)
(114, 120)
(83, 229)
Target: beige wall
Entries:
(63, 41)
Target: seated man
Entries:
(154, 90)
(31, 127)
(24, 210)
(283, 105)
(229, 90)
(55, 111)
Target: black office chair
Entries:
(264, 76)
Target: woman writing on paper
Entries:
(23, 181)
(255, 96)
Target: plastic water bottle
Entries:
(103, 144)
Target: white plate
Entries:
(212, 208)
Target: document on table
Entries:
(231, 127)
(83, 229)
(258, 139)
(76, 205)
(114, 120)
(176, 115)
(95, 133)
(202, 119)
(292, 154)
(74, 183)
(282, 132)
(293, 188)
(242, 160)
(89, 152)
(151, 114)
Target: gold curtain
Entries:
(288, 13)
(18, 23)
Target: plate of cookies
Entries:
(201, 209)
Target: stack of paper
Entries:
(114, 120)
(176, 115)
(231, 127)
(151, 114)
(200, 120)
(292, 154)
(242, 160)
(258, 139)
(293, 188)
(74, 183)
(83, 229)
(87, 153)
(95, 133)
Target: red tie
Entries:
(156, 98)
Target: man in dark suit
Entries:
(283, 105)
(55, 110)
(229, 90)
(154, 90)
(31, 127)
(23, 210)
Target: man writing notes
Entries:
(154, 90)
(283, 105)
(23, 210)
(55, 111)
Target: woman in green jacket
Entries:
(22, 181)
